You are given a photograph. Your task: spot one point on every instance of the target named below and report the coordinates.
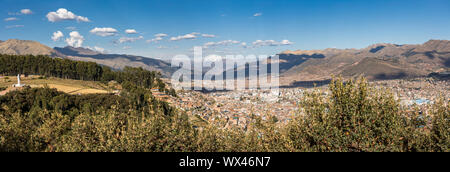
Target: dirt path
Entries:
(7, 90)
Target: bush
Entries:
(353, 117)
(119, 132)
(356, 117)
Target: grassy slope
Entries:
(64, 85)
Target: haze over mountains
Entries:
(376, 62)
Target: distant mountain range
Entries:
(376, 62)
(116, 61)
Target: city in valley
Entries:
(239, 108)
(225, 76)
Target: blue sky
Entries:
(278, 24)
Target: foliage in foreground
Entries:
(352, 117)
(356, 117)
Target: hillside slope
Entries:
(116, 61)
(20, 47)
(376, 62)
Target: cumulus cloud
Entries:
(208, 36)
(257, 14)
(129, 39)
(75, 39)
(192, 35)
(286, 42)
(26, 11)
(22, 12)
(105, 31)
(271, 43)
(131, 31)
(63, 14)
(11, 19)
(161, 35)
(57, 36)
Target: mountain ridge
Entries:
(24, 47)
(116, 61)
(375, 62)
(393, 61)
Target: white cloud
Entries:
(63, 14)
(57, 36)
(106, 31)
(11, 19)
(75, 39)
(98, 49)
(187, 36)
(221, 43)
(286, 42)
(257, 14)
(157, 39)
(131, 31)
(208, 36)
(22, 12)
(192, 35)
(161, 35)
(265, 43)
(161, 47)
(26, 11)
(271, 43)
(126, 47)
(130, 39)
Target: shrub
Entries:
(352, 117)
(356, 117)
